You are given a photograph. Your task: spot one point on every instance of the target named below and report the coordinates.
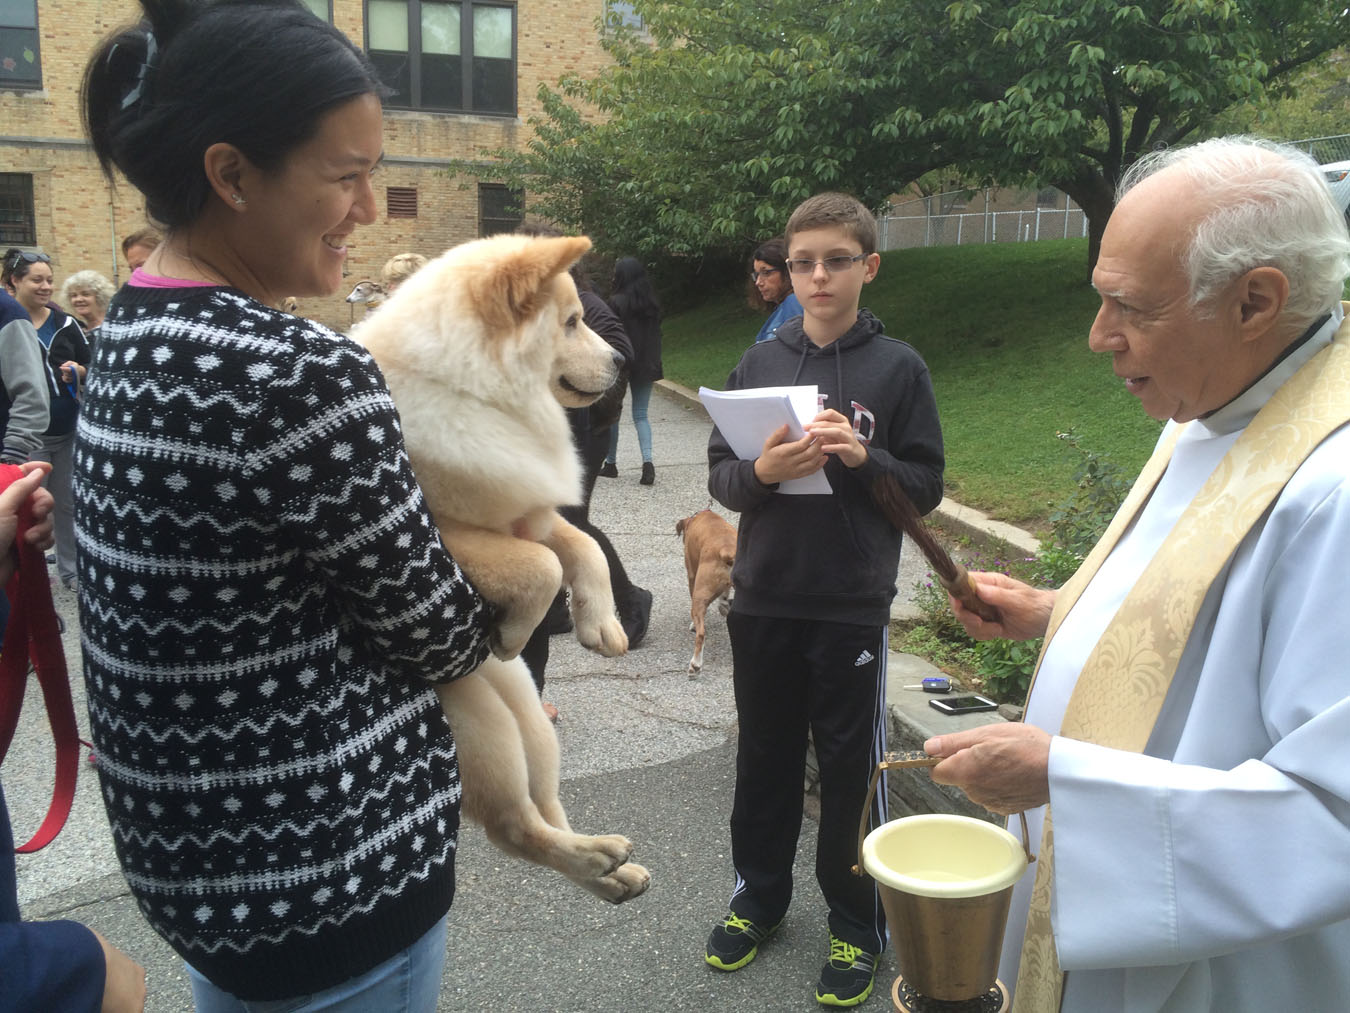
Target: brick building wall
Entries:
(81, 218)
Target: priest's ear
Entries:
(1262, 294)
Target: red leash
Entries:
(33, 633)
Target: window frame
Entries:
(24, 203)
(326, 3)
(414, 101)
(10, 84)
(514, 223)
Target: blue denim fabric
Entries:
(642, 395)
(408, 982)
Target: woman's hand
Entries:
(71, 369)
(1025, 610)
(123, 980)
(39, 534)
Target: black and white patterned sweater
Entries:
(263, 599)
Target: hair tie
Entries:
(148, 64)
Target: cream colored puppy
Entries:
(482, 350)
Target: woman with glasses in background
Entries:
(28, 278)
(771, 288)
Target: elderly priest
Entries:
(1185, 759)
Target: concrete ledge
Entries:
(910, 722)
(979, 526)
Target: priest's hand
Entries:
(1025, 610)
(1003, 767)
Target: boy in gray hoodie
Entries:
(814, 578)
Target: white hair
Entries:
(1270, 207)
(88, 281)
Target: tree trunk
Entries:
(1097, 199)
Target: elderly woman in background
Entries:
(399, 268)
(87, 294)
(28, 278)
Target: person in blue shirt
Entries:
(772, 287)
(51, 965)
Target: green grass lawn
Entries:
(1003, 329)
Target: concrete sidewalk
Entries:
(647, 751)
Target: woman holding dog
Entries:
(264, 597)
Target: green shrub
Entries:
(1100, 486)
(1006, 667)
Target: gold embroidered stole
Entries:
(1121, 688)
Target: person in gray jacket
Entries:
(23, 386)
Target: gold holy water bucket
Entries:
(946, 882)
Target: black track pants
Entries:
(792, 676)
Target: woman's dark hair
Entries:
(258, 74)
(774, 253)
(632, 294)
(17, 263)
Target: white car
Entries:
(1338, 178)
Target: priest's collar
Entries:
(1242, 409)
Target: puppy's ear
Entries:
(511, 286)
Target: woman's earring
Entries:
(238, 201)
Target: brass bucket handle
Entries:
(913, 758)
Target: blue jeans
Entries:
(408, 982)
(642, 395)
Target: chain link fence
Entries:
(937, 221)
(1326, 149)
(956, 228)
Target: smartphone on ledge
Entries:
(970, 703)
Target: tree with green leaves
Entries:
(706, 131)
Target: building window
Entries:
(500, 209)
(401, 202)
(620, 14)
(455, 56)
(323, 9)
(20, 64)
(18, 223)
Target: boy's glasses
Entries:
(832, 264)
(756, 275)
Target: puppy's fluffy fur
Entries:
(482, 349)
(709, 551)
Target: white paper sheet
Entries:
(747, 417)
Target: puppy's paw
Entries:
(604, 635)
(510, 637)
(607, 852)
(627, 881)
(695, 666)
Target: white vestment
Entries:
(1212, 872)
